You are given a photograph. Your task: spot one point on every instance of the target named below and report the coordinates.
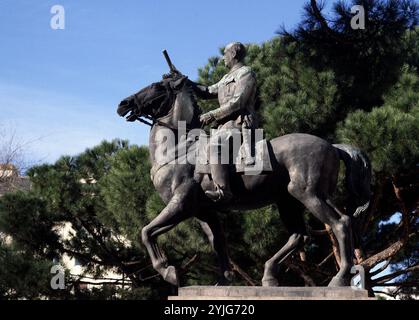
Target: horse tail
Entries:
(358, 179)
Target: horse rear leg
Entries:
(291, 216)
(340, 224)
(213, 229)
(170, 217)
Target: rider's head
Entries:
(234, 53)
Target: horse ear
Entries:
(177, 84)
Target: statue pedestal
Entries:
(269, 293)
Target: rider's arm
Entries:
(205, 92)
(245, 88)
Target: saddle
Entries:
(197, 150)
(263, 158)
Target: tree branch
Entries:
(335, 244)
(385, 254)
(372, 274)
(81, 277)
(325, 259)
(400, 284)
(191, 261)
(323, 23)
(313, 232)
(405, 211)
(370, 214)
(393, 275)
(386, 293)
(317, 13)
(309, 282)
(85, 257)
(96, 283)
(243, 274)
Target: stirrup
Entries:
(219, 195)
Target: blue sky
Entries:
(60, 88)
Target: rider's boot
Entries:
(247, 148)
(220, 176)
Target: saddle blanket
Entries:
(262, 163)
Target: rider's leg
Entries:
(219, 165)
(220, 175)
(247, 146)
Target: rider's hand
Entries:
(206, 118)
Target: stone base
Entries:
(270, 293)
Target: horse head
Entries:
(167, 101)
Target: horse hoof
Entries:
(171, 276)
(272, 282)
(339, 282)
(226, 279)
(229, 276)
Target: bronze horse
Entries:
(304, 176)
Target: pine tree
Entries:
(89, 193)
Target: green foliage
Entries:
(125, 190)
(24, 217)
(412, 43)
(306, 104)
(21, 276)
(404, 95)
(366, 62)
(388, 133)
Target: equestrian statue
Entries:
(302, 173)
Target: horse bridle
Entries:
(140, 118)
(153, 119)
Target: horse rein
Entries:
(156, 120)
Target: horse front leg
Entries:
(213, 229)
(170, 217)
